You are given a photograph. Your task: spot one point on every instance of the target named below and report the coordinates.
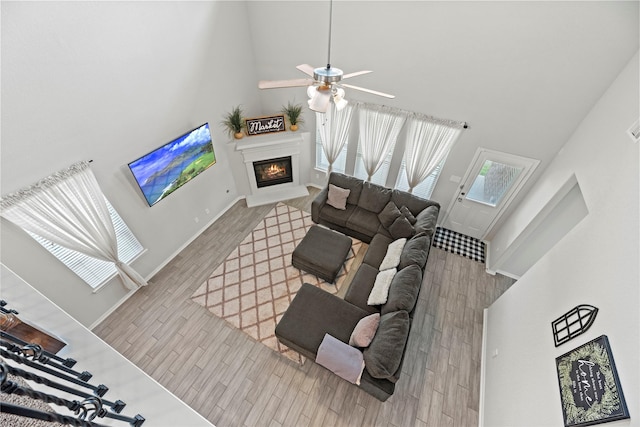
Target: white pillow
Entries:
(380, 290)
(392, 258)
(337, 197)
(341, 359)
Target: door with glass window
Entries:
(490, 184)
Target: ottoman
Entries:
(321, 252)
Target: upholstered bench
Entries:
(322, 252)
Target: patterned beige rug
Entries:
(253, 287)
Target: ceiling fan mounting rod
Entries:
(330, 19)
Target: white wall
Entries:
(111, 81)
(142, 394)
(595, 263)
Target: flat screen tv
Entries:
(167, 168)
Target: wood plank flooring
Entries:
(233, 380)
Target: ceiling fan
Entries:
(324, 83)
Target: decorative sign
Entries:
(589, 386)
(263, 125)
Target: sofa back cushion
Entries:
(374, 197)
(347, 182)
(415, 252)
(383, 356)
(426, 220)
(404, 290)
(414, 203)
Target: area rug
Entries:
(255, 284)
(459, 244)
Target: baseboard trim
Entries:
(164, 263)
(483, 361)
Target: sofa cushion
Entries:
(401, 227)
(377, 250)
(407, 214)
(415, 252)
(404, 289)
(392, 257)
(380, 290)
(360, 288)
(426, 221)
(374, 197)
(337, 197)
(350, 182)
(363, 221)
(414, 203)
(364, 331)
(389, 214)
(341, 359)
(383, 356)
(336, 216)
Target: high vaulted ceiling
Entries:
(523, 74)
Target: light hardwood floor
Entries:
(233, 380)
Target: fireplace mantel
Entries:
(271, 146)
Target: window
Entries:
(425, 188)
(380, 177)
(321, 160)
(94, 271)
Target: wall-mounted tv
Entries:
(167, 168)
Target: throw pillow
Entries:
(426, 220)
(383, 356)
(341, 359)
(337, 197)
(365, 330)
(401, 227)
(404, 289)
(389, 214)
(407, 214)
(415, 252)
(381, 285)
(392, 257)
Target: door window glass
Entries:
(492, 183)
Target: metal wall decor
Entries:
(590, 389)
(573, 323)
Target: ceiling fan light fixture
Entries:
(319, 101)
(338, 99)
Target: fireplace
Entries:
(273, 171)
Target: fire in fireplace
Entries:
(273, 171)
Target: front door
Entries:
(490, 184)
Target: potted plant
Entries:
(234, 122)
(294, 113)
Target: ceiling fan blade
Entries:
(306, 68)
(375, 92)
(357, 73)
(274, 84)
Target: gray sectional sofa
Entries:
(378, 216)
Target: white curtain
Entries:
(334, 131)
(68, 208)
(428, 142)
(379, 129)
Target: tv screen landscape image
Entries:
(167, 168)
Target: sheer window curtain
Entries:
(334, 131)
(68, 208)
(429, 140)
(379, 129)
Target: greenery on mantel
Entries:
(294, 113)
(234, 122)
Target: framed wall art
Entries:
(590, 390)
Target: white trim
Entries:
(483, 367)
(112, 309)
